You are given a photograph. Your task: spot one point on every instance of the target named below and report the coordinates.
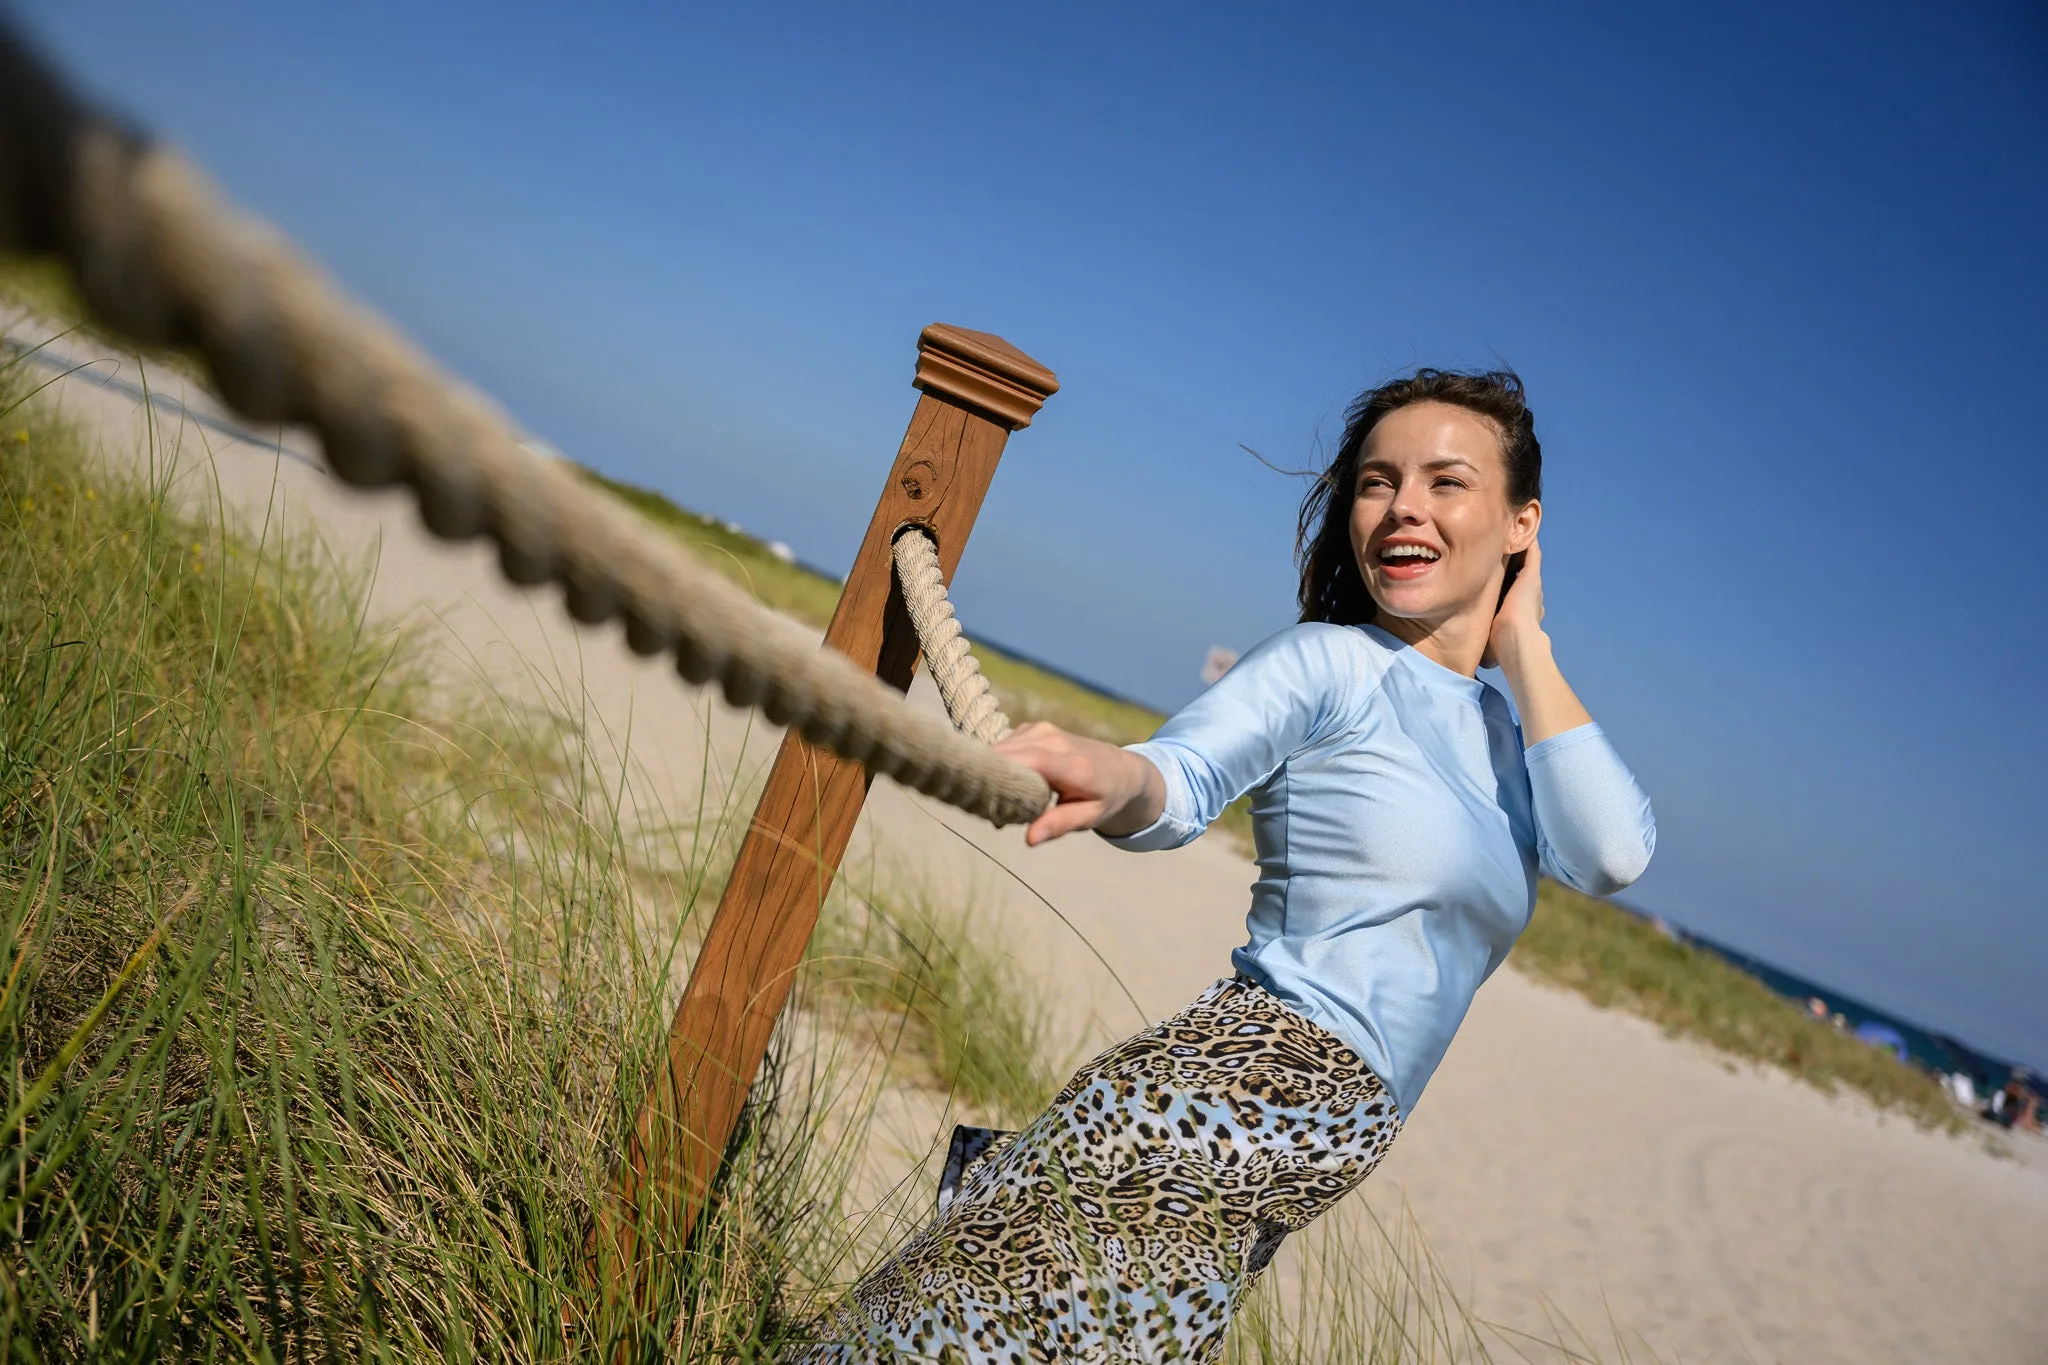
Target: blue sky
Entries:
(1773, 275)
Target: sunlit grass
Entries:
(945, 991)
(322, 1012)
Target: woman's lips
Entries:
(1403, 559)
(1401, 570)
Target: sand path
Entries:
(1565, 1158)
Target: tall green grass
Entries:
(322, 1014)
(39, 285)
(942, 993)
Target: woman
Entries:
(1400, 817)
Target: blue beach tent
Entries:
(1882, 1035)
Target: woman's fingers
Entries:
(1064, 818)
(1054, 757)
(1527, 593)
(1029, 733)
(1087, 775)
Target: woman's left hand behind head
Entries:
(1520, 618)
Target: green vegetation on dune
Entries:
(40, 285)
(1618, 959)
(316, 1002)
(773, 581)
(945, 995)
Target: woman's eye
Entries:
(1446, 481)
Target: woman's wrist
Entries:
(1142, 806)
(1522, 652)
(1545, 701)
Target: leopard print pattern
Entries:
(1128, 1220)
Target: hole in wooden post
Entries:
(918, 527)
(918, 480)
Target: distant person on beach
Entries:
(2016, 1105)
(1401, 812)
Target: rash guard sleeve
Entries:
(1280, 697)
(1595, 831)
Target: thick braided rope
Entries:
(157, 257)
(946, 653)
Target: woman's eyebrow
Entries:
(1447, 462)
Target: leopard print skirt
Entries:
(1128, 1220)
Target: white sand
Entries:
(1564, 1157)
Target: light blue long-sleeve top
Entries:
(1398, 826)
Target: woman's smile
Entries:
(1405, 558)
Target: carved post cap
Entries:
(982, 372)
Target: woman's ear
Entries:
(1522, 530)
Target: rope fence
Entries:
(160, 259)
(953, 666)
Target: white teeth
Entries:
(1408, 552)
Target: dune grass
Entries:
(40, 285)
(316, 1003)
(1620, 960)
(947, 996)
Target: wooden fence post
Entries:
(976, 389)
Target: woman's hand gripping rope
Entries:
(1098, 785)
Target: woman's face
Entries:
(1431, 525)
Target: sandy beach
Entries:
(1566, 1161)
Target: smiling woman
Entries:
(1401, 816)
(1469, 432)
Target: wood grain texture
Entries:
(807, 811)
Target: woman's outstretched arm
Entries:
(1284, 691)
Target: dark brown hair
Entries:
(1331, 589)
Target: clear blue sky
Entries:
(1773, 274)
